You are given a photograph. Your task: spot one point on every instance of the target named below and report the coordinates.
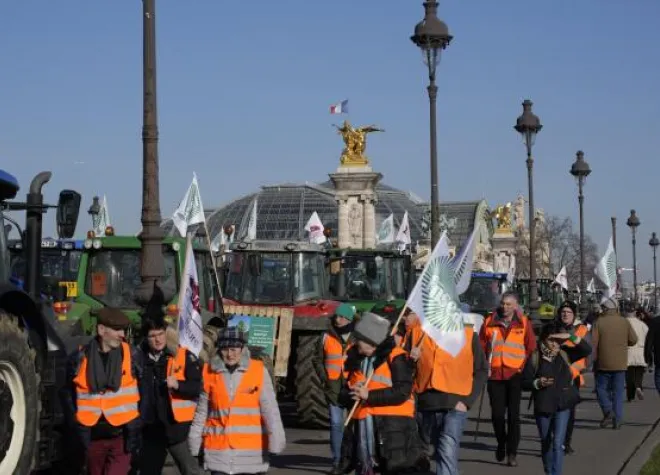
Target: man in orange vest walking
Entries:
(237, 422)
(507, 338)
(335, 345)
(104, 396)
(446, 388)
(169, 387)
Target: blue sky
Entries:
(244, 90)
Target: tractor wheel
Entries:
(310, 393)
(20, 405)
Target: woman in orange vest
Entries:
(549, 375)
(237, 422)
(169, 387)
(568, 321)
(384, 433)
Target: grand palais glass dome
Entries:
(283, 211)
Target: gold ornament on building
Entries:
(355, 143)
(502, 214)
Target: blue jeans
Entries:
(446, 431)
(610, 388)
(336, 432)
(552, 431)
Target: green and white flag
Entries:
(102, 220)
(190, 211)
(386, 231)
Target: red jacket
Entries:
(500, 374)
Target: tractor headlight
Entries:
(96, 244)
(88, 244)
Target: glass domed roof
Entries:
(283, 211)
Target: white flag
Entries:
(435, 300)
(251, 232)
(190, 211)
(591, 286)
(403, 236)
(386, 231)
(463, 262)
(101, 221)
(190, 318)
(562, 278)
(606, 270)
(315, 229)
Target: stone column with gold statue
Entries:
(504, 240)
(355, 189)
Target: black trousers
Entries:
(634, 380)
(505, 412)
(571, 419)
(154, 452)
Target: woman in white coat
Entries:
(636, 360)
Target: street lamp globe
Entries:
(654, 242)
(580, 168)
(633, 221)
(528, 125)
(431, 36)
(95, 209)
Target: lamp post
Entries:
(633, 223)
(654, 243)
(94, 211)
(528, 125)
(152, 266)
(432, 36)
(580, 170)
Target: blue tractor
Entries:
(32, 355)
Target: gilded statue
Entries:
(355, 143)
(503, 215)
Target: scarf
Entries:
(548, 353)
(366, 429)
(341, 331)
(101, 377)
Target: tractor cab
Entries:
(8, 190)
(484, 292)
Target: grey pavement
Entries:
(598, 451)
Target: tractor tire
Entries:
(310, 393)
(20, 404)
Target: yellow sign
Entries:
(71, 289)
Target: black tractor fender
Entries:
(20, 304)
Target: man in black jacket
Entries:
(169, 388)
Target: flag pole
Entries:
(213, 262)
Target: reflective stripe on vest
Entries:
(234, 424)
(334, 356)
(509, 352)
(183, 409)
(580, 366)
(119, 407)
(438, 370)
(382, 379)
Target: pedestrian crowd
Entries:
(397, 401)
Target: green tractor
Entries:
(372, 279)
(550, 296)
(109, 273)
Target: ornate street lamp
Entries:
(580, 170)
(654, 243)
(152, 266)
(633, 223)
(528, 125)
(432, 36)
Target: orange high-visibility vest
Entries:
(119, 407)
(438, 370)
(509, 353)
(580, 366)
(414, 337)
(382, 379)
(183, 409)
(234, 424)
(334, 356)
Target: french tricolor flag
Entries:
(341, 108)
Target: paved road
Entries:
(598, 451)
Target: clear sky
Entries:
(244, 89)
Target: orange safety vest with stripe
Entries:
(334, 356)
(183, 409)
(119, 407)
(438, 370)
(234, 424)
(578, 367)
(509, 352)
(414, 336)
(382, 379)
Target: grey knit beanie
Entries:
(372, 328)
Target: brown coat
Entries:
(612, 335)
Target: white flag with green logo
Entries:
(386, 231)
(102, 220)
(190, 211)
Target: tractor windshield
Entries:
(114, 274)
(274, 277)
(483, 294)
(59, 264)
(369, 277)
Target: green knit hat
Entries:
(346, 310)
